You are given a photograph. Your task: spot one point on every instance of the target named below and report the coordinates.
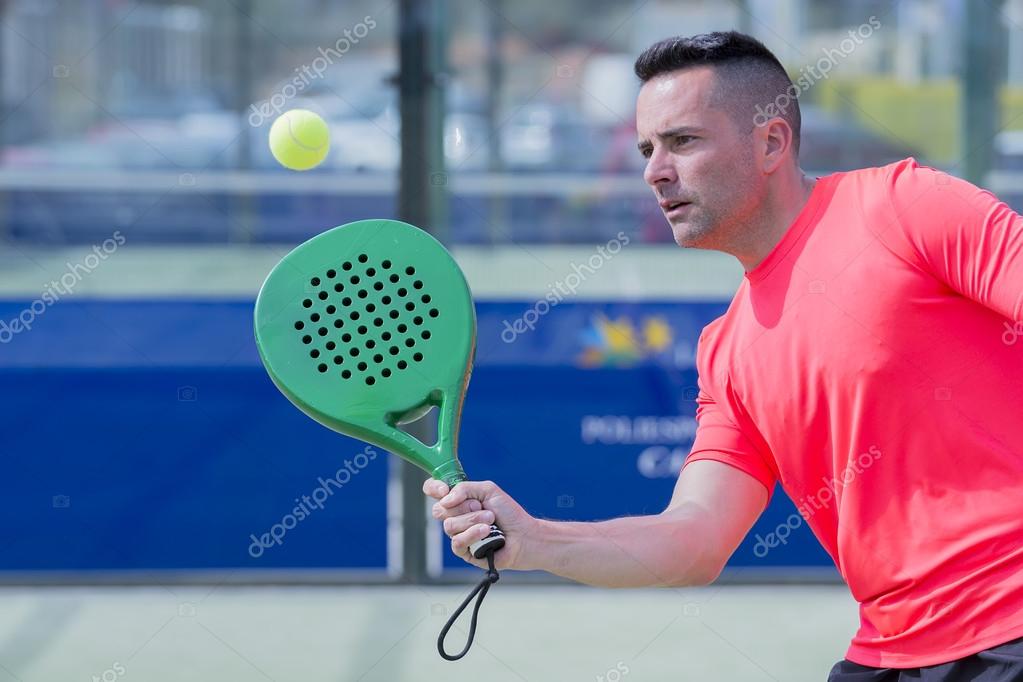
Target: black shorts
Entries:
(1003, 663)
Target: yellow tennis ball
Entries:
(299, 139)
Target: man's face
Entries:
(699, 159)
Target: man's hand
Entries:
(467, 512)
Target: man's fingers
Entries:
(466, 507)
(460, 543)
(478, 490)
(460, 524)
(434, 488)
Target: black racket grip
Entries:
(491, 543)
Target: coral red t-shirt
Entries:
(873, 364)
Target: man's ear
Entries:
(774, 142)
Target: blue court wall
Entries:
(145, 435)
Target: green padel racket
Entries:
(366, 327)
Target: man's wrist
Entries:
(535, 554)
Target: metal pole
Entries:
(981, 77)
(421, 199)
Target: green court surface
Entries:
(732, 633)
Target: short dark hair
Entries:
(751, 80)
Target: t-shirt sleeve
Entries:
(963, 235)
(719, 437)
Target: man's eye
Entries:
(683, 139)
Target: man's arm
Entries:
(713, 507)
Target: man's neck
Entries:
(778, 214)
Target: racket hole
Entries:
(331, 345)
(418, 357)
(346, 374)
(315, 281)
(378, 322)
(322, 367)
(402, 328)
(393, 278)
(346, 337)
(386, 265)
(315, 317)
(331, 274)
(434, 312)
(418, 284)
(354, 352)
(338, 323)
(307, 339)
(371, 344)
(299, 324)
(410, 342)
(354, 315)
(386, 300)
(322, 331)
(378, 285)
(338, 359)
(323, 295)
(371, 272)
(362, 329)
(426, 334)
(426, 298)
(354, 279)
(346, 301)
(386, 336)
(363, 258)
(378, 358)
(410, 270)
(370, 381)
(402, 292)
(417, 320)
(307, 303)
(346, 266)
(339, 287)
(370, 308)
(331, 309)
(393, 350)
(362, 293)
(385, 372)
(362, 366)
(314, 353)
(402, 364)
(410, 306)
(393, 314)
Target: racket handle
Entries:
(491, 543)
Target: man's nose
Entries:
(659, 170)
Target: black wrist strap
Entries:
(482, 588)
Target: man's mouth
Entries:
(673, 206)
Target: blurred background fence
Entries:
(140, 209)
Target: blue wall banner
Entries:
(145, 435)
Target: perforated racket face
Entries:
(365, 323)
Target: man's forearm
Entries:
(641, 551)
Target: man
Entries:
(861, 364)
